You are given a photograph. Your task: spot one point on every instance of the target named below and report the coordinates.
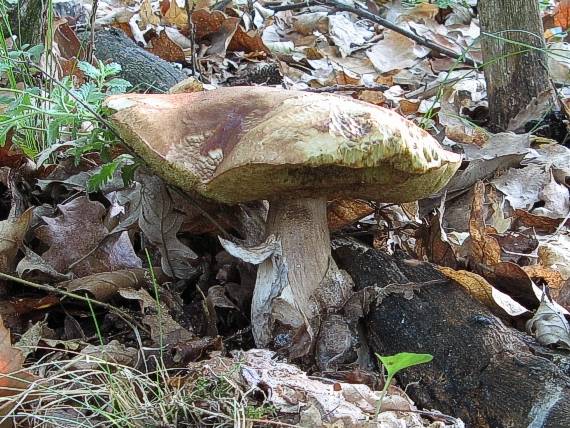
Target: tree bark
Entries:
(515, 74)
(28, 21)
(483, 372)
(145, 71)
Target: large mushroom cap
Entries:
(250, 143)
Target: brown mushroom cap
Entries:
(250, 143)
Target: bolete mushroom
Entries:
(296, 150)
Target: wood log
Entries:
(484, 372)
(145, 71)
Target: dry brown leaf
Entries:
(549, 326)
(510, 279)
(249, 42)
(343, 212)
(395, 52)
(408, 107)
(174, 15)
(562, 14)
(187, 86)
(540, 223)
(479, 288)
(162, 46)
(548, 275)
(34, 267)
(165, 330)
(147, 15)
(433, 245)
(215, 30)
(12, 232)
(12, 376)
(372, 97)
(555, 252)
(105, 285)
(114, 352)
(483, 248)
(155, 207)
(10, 155)
(76, 232)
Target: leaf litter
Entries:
(499, 229)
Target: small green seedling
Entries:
(395, 363)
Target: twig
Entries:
(192, 35)
(339, 88)
(91, 46)
(363, 13)
(562, 224)
(50, 289)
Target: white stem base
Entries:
(294, 288)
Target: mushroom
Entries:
(296, 150)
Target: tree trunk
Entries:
(145, 71)
(28, 21)
(483, 372)
(515, 74)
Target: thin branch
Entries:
(363, 13)
(50, 289)
(91, 47)
(340, 88)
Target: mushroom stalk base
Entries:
(297, 285)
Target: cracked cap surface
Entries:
(250, 143)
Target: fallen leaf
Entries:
(13, 379)
(105, 285)
(551, 277)
(480, 289)
(77, 232)
(162, 46)
(152, 204)
(432, 243)
(34, 267)
(522, 187)
(147, 16)
(193, 350)
(12, 232)
(562, 14)
(10, 155)
(164, 330)
(549, 326)
(395, 52)
(174, 15)
(347, 34)
(215, 30)
(141, 295)
(28, 342)
(538, 222)
(115, 353)
(555, 253)
(483, 249)
(512, 280)
(343, 212)
(556, 199)
(253, 254)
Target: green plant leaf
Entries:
(107, 171)
(397, 362)
(89, 70)
(111, 69)
(117, 86)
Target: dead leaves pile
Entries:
(499, 229)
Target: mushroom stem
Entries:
(287, 300)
